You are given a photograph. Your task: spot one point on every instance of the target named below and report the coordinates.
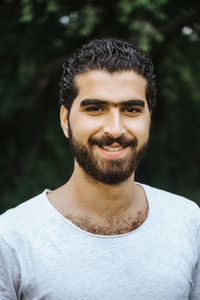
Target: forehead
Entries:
(116, 86)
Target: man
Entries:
(102, 235)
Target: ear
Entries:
(64, 120)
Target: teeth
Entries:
(112, 149)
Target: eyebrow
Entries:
(135, 102)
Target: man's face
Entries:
(108, 124)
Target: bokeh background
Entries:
(37, 37)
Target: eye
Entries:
(94, 109)
(131, 110)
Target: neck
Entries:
(96, 198)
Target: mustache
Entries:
(108, 140)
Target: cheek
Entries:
(83, 128)
(144, 132)
(140, 129)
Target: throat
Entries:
(110, 226)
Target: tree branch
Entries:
(170, 31)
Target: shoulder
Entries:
(23, 217)
(170, 199)
(174, 207)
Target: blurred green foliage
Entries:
(36, 38)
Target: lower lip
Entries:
(113, 154)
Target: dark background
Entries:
(36, 38)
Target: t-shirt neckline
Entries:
(68, 222)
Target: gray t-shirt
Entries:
(44, 256)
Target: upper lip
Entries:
(114, 145)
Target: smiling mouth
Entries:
(113, 149)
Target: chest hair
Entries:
(110, 226)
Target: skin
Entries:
(94, 206)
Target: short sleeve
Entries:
(9, 273)
(195, 292)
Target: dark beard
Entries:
(107, 171)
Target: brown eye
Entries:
(94, 109)
(131, 110)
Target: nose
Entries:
(113, 125)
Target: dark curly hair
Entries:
(107, 54)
